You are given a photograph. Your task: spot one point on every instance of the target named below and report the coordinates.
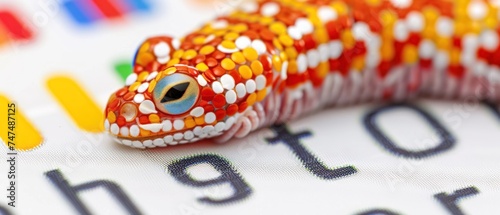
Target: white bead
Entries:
(178, 124)
(249, 6)
(168, 139)
(227, 81)
(361, 31)
(131, 79)
(243, 42)
(207, 129)
(230, 97)
(147, 143)
(270, 9)
(197, 130)
(241, 90)
(415, 21)
(178, 136)
(304, 26)
(477, 10)
(106, 124)
(166, 125)
(161, 50)
(441, 60)
(426, 49)
(176, 43)
(114, 129)
(152, 76)
(301, 63)
(294, 33)
(401, 3)
(138, 98)
(445, 26)
(219, 24)
(313, 58)
(220, 126)
(217, 87)
(259, 46)
(159, 142)
(143, 87)
(250, 85)
(209, 117)
(137, 144)
(335, 48)
(197, 111)
(134, 131)
(127, 142)
(400, 31)
(489, 40)
(284, 70)
(188, 135)
(326, 13)
(226, 50)
(124, 131)
(147, 107)
(201, 80)
(260, 81)
(229, 123)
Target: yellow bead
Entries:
(251, 99)
(154, 118)
(238, 57)
(231, 36)
(152, 86)
(178, 54)
(199, 40)
(292, 67)
(142, 76)
(340, 7)
(173, 62)
(245, 72)
(261, 94)
(145, 133)
(387, 51)
(455, 56)
(278, 28)
(358, 63)
(206, 50)
(322, 69)
(250, 54)
(286, 40)
(239, 28)
(199, 120)
(189, 54)
(277, 44)
(348, 39)
(410, 54)
(228, 44)
(111, 117)
(202, 67)
(227, 64)
(257, 67)
(189, 122)
(145, 47)
(283, 56)
(144, 58)
(321, 35)
(170, 70)
(291, 52)
(276, 63)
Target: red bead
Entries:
(129, 96)
(120, 120)
(207, 94)
(219, 101)
(219, 71)
(122, 92)
(220, 114)
(144, 119)
(113, 105)
(208, 108)
(232, 109)
(243, 106)
(236, 76)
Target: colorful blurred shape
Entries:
(26, 135)
(123, 69)
(12, 28)
(77, 103)
(86, 12)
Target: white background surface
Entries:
(279, 182)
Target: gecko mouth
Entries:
(173, 137)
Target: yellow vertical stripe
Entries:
(77, 103)
(26, 136)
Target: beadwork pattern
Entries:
(272, 61)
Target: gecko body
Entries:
(273, 61)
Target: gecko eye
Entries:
(176, 93)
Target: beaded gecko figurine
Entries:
(272, 61)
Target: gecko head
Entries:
(174, 106)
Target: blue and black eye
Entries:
(176, 93)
